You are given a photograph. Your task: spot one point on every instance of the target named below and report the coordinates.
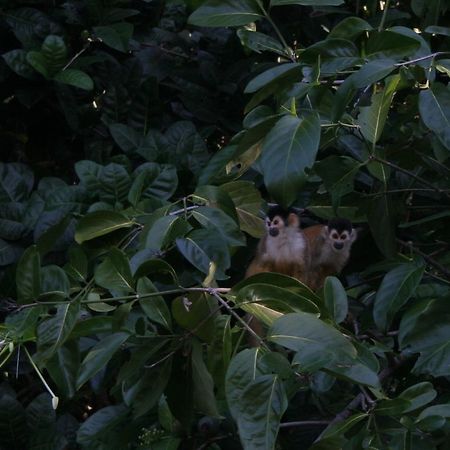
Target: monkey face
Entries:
(340, 239)
(274, 225)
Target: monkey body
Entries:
(285, 252)
(330, 249)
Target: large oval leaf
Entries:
(99, 223)
(396, 288)
(305, 332)
(263, 403)
(289, 148)
(434, 108)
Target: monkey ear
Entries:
(354, 234)
(293, 220)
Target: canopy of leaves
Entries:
(142, 142)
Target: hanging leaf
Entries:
(290, 147)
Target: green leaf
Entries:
(247, 201)
(338, 174)
(55, 53)
(418, 395)
(354, 371)
(216, 219)
(75, 78)
(204, 397)
(9, 253)
(263, 403)
(291, 146)
(17, 61)
(372, 118)
(39, 63)
(63, 368)
(40, 413)
(203, 248)
(155, 307)
(340, 428)
(165, 230)
(101, 423)
(388, 44)
(54, 332)
(260, 42)
(275, 297)
(55, 283)
(195, 312)
(153, 181)
(115, 183)
(28, 276)
(125, 137)
(278, 72)
(305, 332)
(243, 369)
(434, 108)
(77, 266)
(13, 423)
(335, 299)
(225, 13)
(114, 272)
(99, 223)
(350, 28)
(381, 215)
(425, 329)
(156, 266)
(16, 182)
(116, 36)
(99, 356)
(47, 240)
(396, 288)
(307, 2)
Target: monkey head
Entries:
(340, 233)
(278, 218)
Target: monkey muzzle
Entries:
(338, 245)
(274, 231)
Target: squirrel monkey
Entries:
(284, 248)
(330, 249)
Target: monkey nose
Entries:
(338, 245)
(273, 231)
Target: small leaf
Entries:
(28, 276)
(99, 223)
(99, 356)
(154, 307)
(114, 272)
(260, 42)
(116, 36)
(125, 137)
(75, 78)
(372, 118)
(395, 290)
(335, 299)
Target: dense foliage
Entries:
(140, 142)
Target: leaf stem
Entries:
(422, 58)
(35, 367)
(383, 18)
(278, 32)
(412, 175)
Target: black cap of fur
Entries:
(281, 212)
(340, 225)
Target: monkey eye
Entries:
(275, 222)
(334, 236)
(344, 237)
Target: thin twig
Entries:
(413, 61)
(214, 293)
(427, 258)
(304, 423)
(411, 174)
(166, 50)
(76, 56)
(383, 18)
